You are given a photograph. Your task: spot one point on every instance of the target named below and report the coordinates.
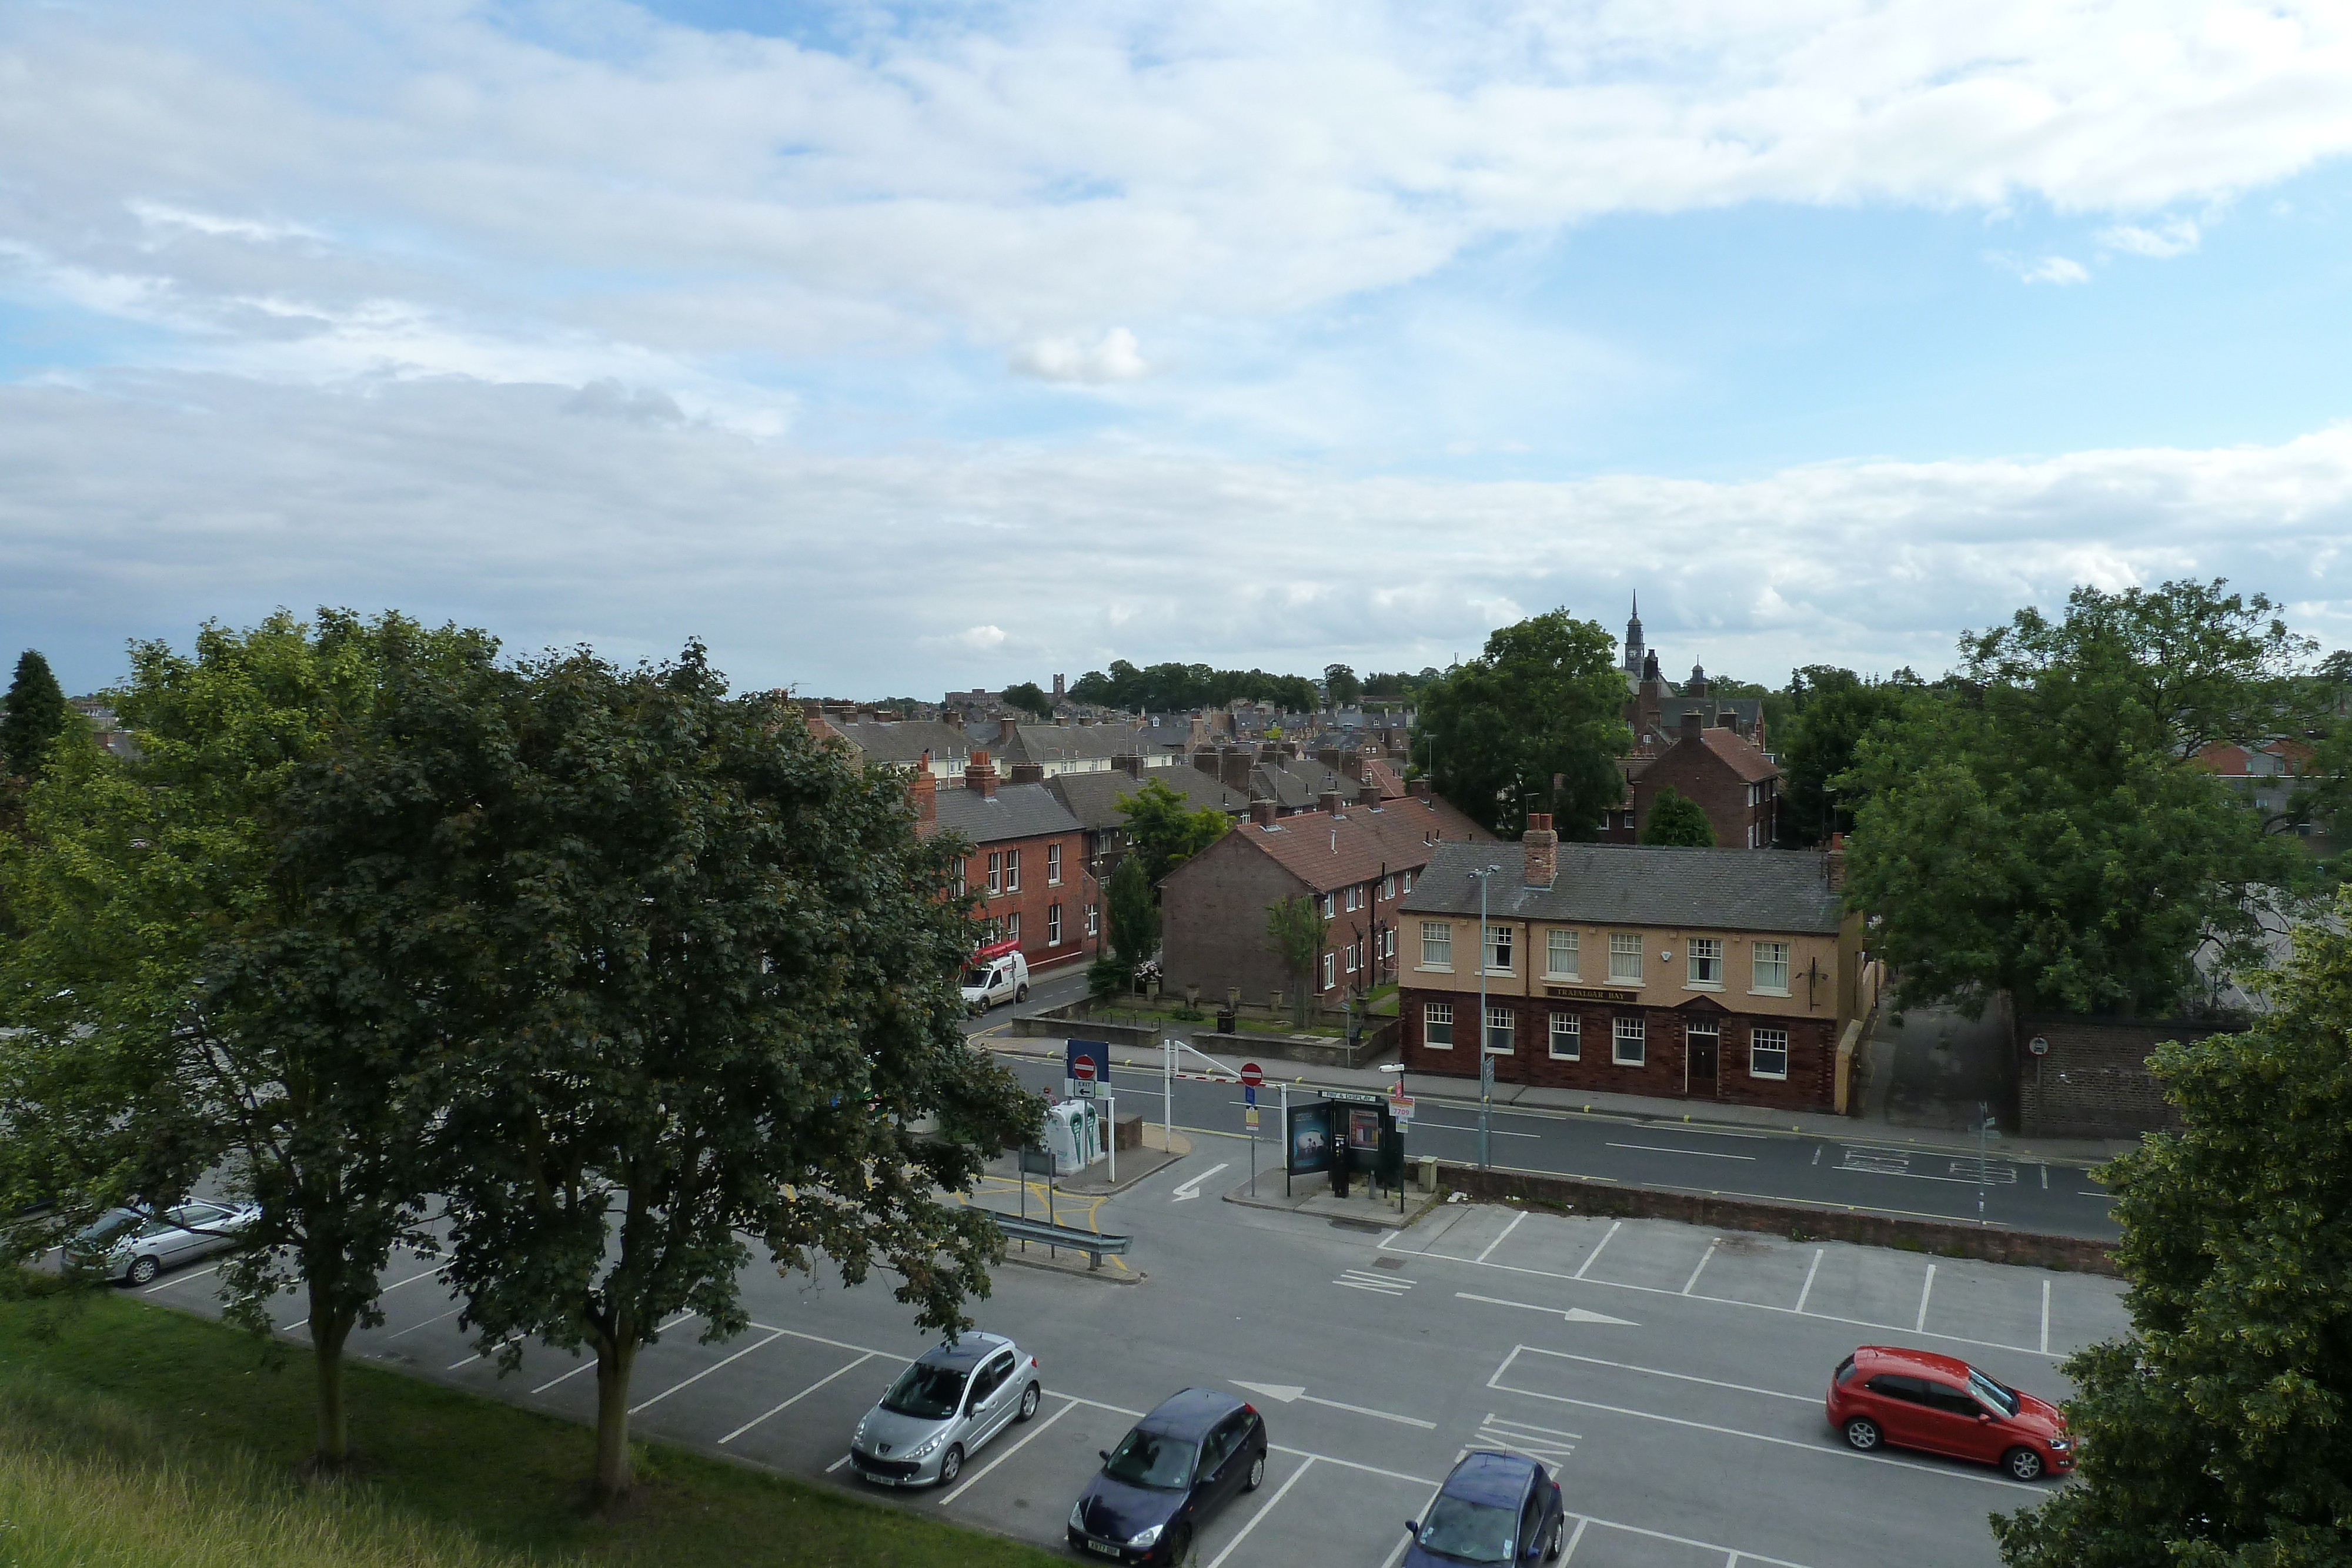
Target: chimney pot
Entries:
(980, 774)
(1421, 789)
(1690, 725)
(1542, 849)
(1333, 801)
(1262, 812)
(923, 789)
(1028, 773)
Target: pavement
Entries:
(1672, 1375)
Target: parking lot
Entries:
(1672, 1375)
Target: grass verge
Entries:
(135, 1435)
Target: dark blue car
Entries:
(1177, 1466)
(1499, 1508)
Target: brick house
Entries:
(1357, 861)
(1731, 778)
(1094, 799)
(1027, 860)
(1680, 973)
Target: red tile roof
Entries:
(1326, 851)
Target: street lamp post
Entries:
(1397, 1068)
(1485, 1062)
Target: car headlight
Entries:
(1078, 1516)
(926, 1446)
(1148, 1536)
(2059, 1445)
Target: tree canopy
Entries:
(1830, 712)
(37, 714)
(1165, 832)
(1294, 928)
(2214, 1434)
(1173, 687)
(1535, 723)
(2045, 827)
(1134, 913)
(1030, 697)
(1340, 686)
(1676, 818)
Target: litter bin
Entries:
(1225, 1020)
(1428, 1163)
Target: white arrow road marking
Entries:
(1572, 1315)
(1289, 1393)
(1192, 1189)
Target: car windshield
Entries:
(976, 978)
(1993, 1392)
(108, 1227)
(926, 1391)
(1469, 1531)
(1151, 1459)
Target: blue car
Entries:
(1497, 1509)
(1188, 1458)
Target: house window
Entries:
(1053, 865)
(1498, 950)
(1706, 962)
(1499, 1022)
(1331, 905)
(1567, 1037)
(1437, 945)
(1629, 1042)
(1013, 870)
(1768, 1054)
(1353, 948)
(1388, 887)
(1094, 919)
(1013, 926)
(1355, 896)
(1772, 968)
(1559, 955)
(1437, 1025)
(1625, 956)
(1330, 971)
(1388, 944)
(1053, 925)
(995, 873)
(1408, 881)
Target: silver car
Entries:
(942, 1408)
(124, 1244)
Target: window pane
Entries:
(1499, 947)
(1437, 944)
(1768, 1054)
(1566, 1036)
(1771, 966)
(1561, 953)
(1630, 1039)
(1706, 961)
(1437, 1025)
(1625, 956)
(1498, 1029)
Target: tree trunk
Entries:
(616, 1360)
(328, 1330)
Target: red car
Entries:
(1918, 1399)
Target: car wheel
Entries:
(1020, 994)
(144, 1271)
(1180, 1544)
(1559, 1529)
(1862, 1433)
(2022, 1463)
(952, 1464)
(1029, 1397)
(1256, 1474)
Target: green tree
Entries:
(1820, 740)
(1340, 686)
(1030, 697)
(37, 714)
(2046, 829)
(2214, 1433)
(1676, 818)
(1165, 832)
(1296, 927)
(1094, 688)
(1134, 913)
(711, 991)
(189, 980)
(1535, 723)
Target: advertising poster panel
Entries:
(1307, 1146)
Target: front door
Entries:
(1703, 1041)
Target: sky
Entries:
(890, 349)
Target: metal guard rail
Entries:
(1092, 1243)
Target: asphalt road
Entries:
(1672, 1375)
(1879, 1175)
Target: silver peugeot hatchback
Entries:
(942, 1408)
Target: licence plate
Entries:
(1105, 1547)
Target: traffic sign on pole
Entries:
(1249, 1095)
(1083, 1069)
(1252, 1074)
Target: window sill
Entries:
(1621, 981)
(1432, 968)
(1702, 985)
(1558, 1057)
(1620, 1061)
(1759, 991)
(1432, 1045)
(1551, 977)
(1769, 1077)
(1501, 974)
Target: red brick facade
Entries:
(1735, 783)
(1028, 863)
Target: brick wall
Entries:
(1811, 1083)
(1702, 775)
(1212, 922)
(2095, 1083)
(1038, 895)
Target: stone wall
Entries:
(2093, 1081)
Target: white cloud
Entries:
(2056, 269)
(193, 496)
(1115, 357)
(2178, 237)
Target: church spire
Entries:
(1634, 647)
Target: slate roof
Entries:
(906, 740)
(1050, 743)
(1014, 811)
(1327, 852)
(1637, 884)
(1093, 798)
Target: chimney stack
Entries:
(1420, 787)
(1834, 863)
(1332, 801)
(923, 791)
(1206, 760)
(1131, 764)
(1262, 812)
(1028, 773)
(1690, 723)
(980, 774)
(1542, 847)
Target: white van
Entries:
(997, 973)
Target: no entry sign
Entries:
(1083, 1069)
(1252, 1074)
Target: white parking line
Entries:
(1264, 1509)
(1811, 1269)
(1614, 1227)
(1497, 1384)
(1702, 1264)
(803, 1393)
(833, 1467)
(1698, 1154)
(590, 1364)
(1035, 1433)
(484, 1355)
(428, 1324)
(703, 1374)
(1677, 1377)
(1406, 1540)
(1275, 1448)
(179, 1280)
(2045, 1317)
(1925, 1288)
(1513, 1225)
(1733, 1556)
(1570, 1549)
